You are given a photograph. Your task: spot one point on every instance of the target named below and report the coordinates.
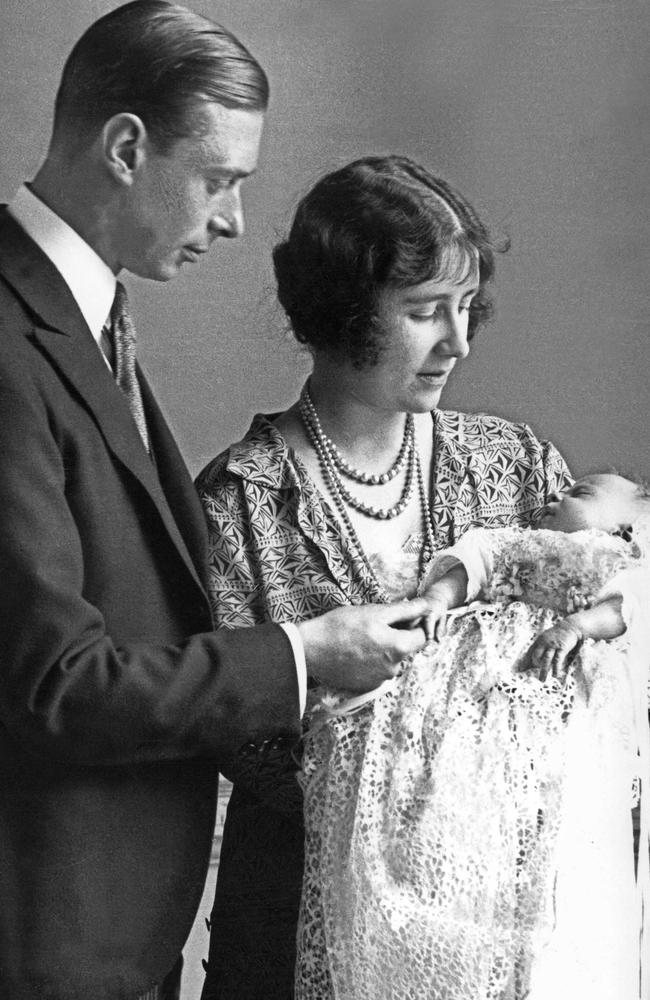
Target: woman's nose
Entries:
(553, 497)
(455, 341)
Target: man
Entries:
(118, 703)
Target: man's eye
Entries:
(217, 184)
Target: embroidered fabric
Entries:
(468, 834)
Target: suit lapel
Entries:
(176, 482)
(61, 332)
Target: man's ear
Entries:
(124, 146)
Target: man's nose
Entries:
(228, 218)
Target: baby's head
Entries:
(600, 500)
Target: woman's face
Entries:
(424, 335)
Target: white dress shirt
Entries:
(92, 284)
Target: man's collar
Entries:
(88, 277)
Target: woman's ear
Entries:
(124, 145)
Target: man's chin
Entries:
(165, 269)
(155, 271)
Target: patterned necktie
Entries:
(121, 332)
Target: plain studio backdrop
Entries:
(538, 110)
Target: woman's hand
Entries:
(434, 622)
(553, 650)
(448, 591)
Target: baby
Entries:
(469, 832)
(600, 501)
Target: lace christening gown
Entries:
(468, 832)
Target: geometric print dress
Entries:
(278, 552)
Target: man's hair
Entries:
(159, 61)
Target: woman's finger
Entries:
(431, 624)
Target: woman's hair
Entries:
(159, 61)
(379, 222)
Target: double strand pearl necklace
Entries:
(333, 466)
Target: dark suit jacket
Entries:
(116, 701)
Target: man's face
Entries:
(183, 199)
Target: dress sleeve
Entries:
(558, 477)
(233, 581)
(238, 598)
(474, 551)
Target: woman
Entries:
(345, 496)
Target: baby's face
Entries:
(598, 501)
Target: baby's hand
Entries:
(551, 651)
(435, 621)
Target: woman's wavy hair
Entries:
(379, 222)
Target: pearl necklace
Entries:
(325, 450)
(333, 466)
(368, 478)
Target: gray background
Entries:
(538, 111)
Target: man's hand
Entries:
(357, 648)
(551, 651)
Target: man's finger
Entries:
(405, 612)
(410, 641)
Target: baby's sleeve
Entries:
(474, 553)
(632, 585)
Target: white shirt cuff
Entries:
(298, 649)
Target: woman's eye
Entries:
(422, 317)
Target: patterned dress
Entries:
(278, 552)
(468, 831)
